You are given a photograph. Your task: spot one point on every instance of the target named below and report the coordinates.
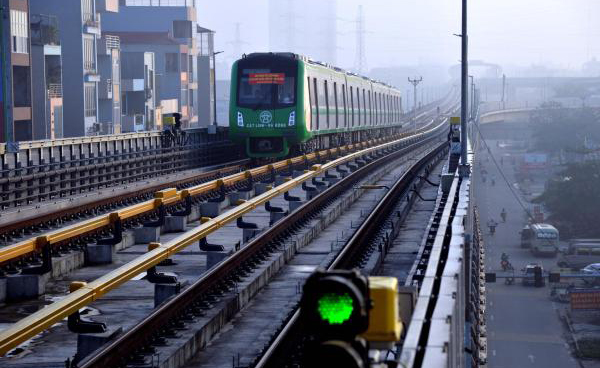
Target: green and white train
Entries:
(283, 103)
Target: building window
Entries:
(172, 62)
(89, 56)
(87, 11)
(21, 86)
(90, 100)
(19, 31)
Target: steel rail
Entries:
(33, 245)
(125, 345)
(55, 312)
(354, 245)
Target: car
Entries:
(528, 277)
(592, 269)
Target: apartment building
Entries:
(80, 37)
(167, 29)
(46, 71)
(15, 72)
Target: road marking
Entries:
(491, 303)
(491, 317)
(532, 358)
(494, 352)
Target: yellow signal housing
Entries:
(385, 326)
(455, 120)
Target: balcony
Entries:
(54, 90)
(91, 23)
(44, 30)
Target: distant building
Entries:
(15, 72)
(168, 30)
(206, 73)
(46, 70)
(80, 26)
(138, 92)
(109, 87)
(307, 27)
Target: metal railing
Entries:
(190, 3)
(55, 90)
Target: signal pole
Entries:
(415, 82)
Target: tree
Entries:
(557, 129)
(573, 199)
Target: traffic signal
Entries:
(334, 310)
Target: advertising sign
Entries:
(585, 299)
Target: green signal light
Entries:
(335, 309)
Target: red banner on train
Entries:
(267, 78)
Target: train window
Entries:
(388, 109)
(310, 102)
(375, 112)
(359, 117)
(345, 105)
(316, 94)
(370, 108)
(327, 102)
(352, 104)
(335, 97)
(364, 100)
(267, 88)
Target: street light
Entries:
(215, 86)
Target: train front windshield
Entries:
(267, 84)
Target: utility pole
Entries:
(214, 57)
(415, 82)
(464, 91)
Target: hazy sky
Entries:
(560, 33)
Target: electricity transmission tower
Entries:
(361, 57)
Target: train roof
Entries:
(308, 60)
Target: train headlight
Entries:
(240, 119)
(292, 119)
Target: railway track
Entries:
(373, 236)
(220, 282)
(199, 188)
